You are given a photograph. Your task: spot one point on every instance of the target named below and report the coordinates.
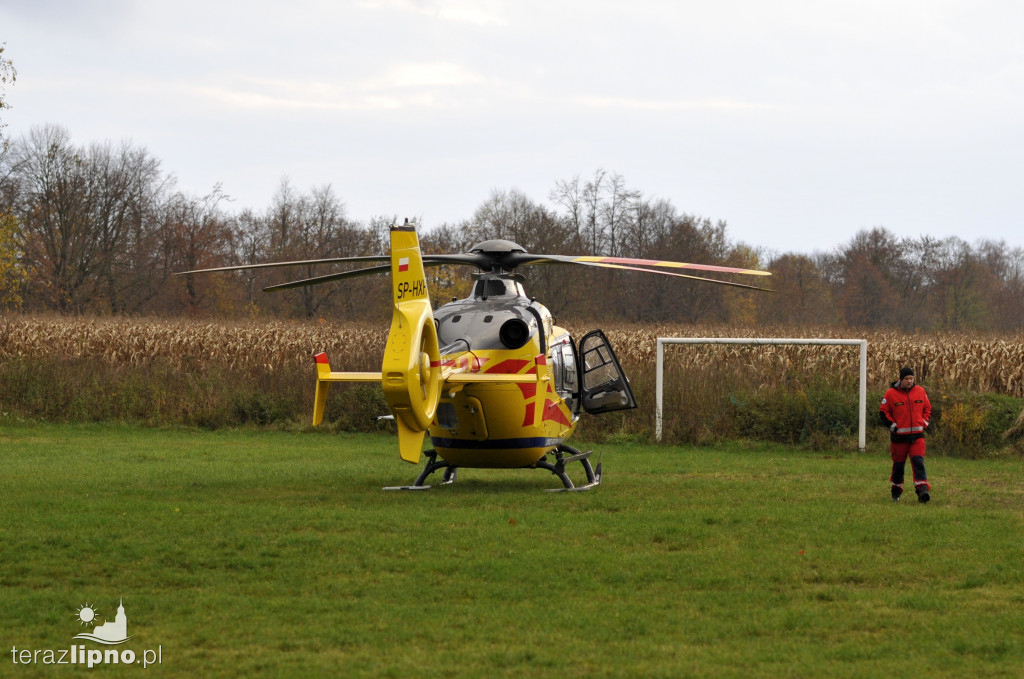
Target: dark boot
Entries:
(921, 485)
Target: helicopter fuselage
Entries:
(503, 425)
(499, 330)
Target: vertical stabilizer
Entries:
(411, 369)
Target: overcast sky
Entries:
(799, 123)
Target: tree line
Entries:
(102, 229)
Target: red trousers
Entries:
(899, 453)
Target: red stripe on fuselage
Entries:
(511, 366)
(528, 417)
(553, 412)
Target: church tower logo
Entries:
(111, 632)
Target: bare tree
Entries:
(1006, 298)
(8, 75)
(569, 195)
(249, 235)
(322, 232)
(583, 203)
(961, 282)
(505, 215)
(313, 226)
(81, 211)
(125, 188)
(802, 294)
(195, 233)
(616, 208)
(12, 272)
(867, 269)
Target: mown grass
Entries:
(252, 553)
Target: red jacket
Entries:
(910, 411)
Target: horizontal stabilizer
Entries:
(325, 374)
(324, 377)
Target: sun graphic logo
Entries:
(111, 632)
(86, 614)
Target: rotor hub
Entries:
(497, 247)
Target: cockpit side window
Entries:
(566, 377)
(558, 371)
(572, 380)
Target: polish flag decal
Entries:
(403, 264)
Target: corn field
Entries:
(271, 346)
(961, 362)
(955, 361)
(217, 373)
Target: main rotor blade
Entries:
(428, 261)
(271, 265)
(478, 260)
(518, 259)
(673, 273)
(384, 268)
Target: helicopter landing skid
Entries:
(563, 455)
(558, 468)
(433, 465)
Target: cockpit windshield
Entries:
(497, 287)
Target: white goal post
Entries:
(662, 341)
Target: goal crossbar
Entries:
(862, 343)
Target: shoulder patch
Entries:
(883, 401)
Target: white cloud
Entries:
(399, 86)
(477, 12)
(653, 104)
(438, 74)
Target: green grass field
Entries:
(249, 553)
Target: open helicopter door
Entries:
(605, 387)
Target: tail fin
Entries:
(323, 369)
(411, 370)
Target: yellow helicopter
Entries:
(491, 378)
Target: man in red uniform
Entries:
(905, 409)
